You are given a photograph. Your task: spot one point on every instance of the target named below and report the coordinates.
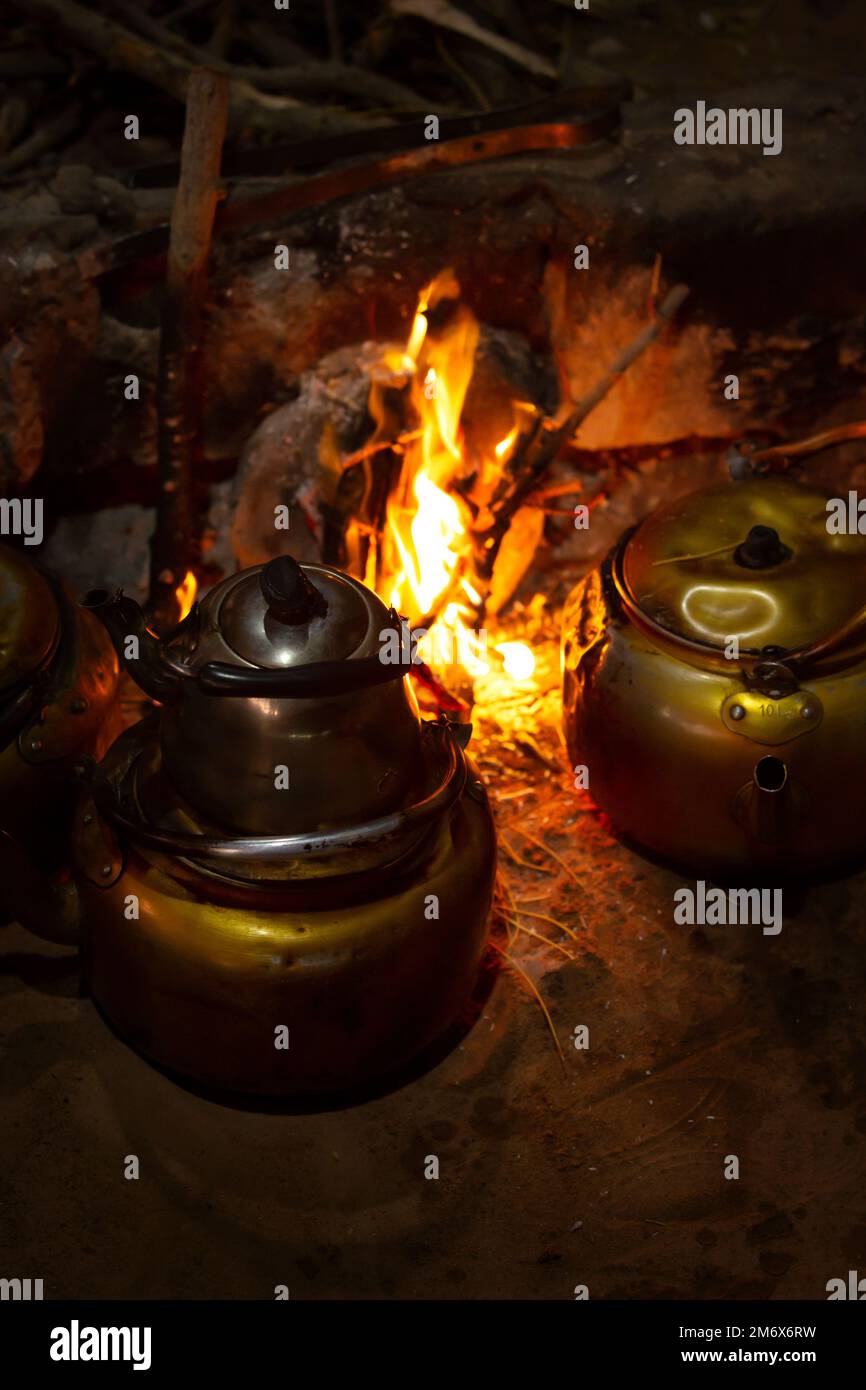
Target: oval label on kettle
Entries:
(757, 716)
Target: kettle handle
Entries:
(320, 678)
(126, 818)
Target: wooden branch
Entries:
(112, 43)
(450, 17)
(623, 361)
(46, 137)
(536, 452)
(777, 453)
(302, 78)
(281, 202)
(335, 38)
(221, 39)
(20, 64)
(179, 384)
(168, 68)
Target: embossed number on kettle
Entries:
(751, 715)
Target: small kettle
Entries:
(277, 675)
(284, 848)
(713, 682)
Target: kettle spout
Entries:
(766, 807)
(138, 650)
(771, 798)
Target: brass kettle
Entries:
(58, 700)
(713, 682)
(277, 672)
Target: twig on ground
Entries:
(528, 931)
(552, 921)
(522, 863)
(533, 987)
(534, 840)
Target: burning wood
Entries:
(431, 549)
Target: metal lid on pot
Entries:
(284, 614)
(752, 560)
(29, 619)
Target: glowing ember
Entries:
(185, 594)
(517, 659)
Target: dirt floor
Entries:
(605, 1168)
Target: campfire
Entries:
(425, 507)
(423, 557)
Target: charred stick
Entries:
(335, 38)
(398, 445)
(166, 65)
(587, 403)
(245, 211)
(115, 45)
(442, 155)
(520, 479)
(594, 111)
(179, 385)
(221, 38)
(47, 137)
(801, 448)
(303, 77)
(542, 445)
(158, 30)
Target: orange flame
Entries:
(422, 564)
(185, 594)
(426, 543)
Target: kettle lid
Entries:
(29, 619)
(285, 614)
(752, 560)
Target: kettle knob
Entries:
(762, 549)
(287, 591)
